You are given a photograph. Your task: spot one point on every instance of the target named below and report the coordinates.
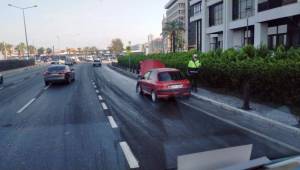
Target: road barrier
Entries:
(14, 64)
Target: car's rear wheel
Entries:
(153, 97)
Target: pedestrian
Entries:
(193, 71)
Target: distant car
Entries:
(59, 73)
(97, 63)
(164, 83)
(54, 62)
(1, 79)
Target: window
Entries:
(277, 35)
(242, 8)
(248, 36)
(270, 4)
(152, 76)
(170, 76)
(216, 14)
(196, 9)
(146, 76)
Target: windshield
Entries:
(170, 76)
(56, 68)
(149, 84)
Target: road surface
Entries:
(99, 122)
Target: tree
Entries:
(20, 48)
(32, 49)
(94, 50)
(6, 49)
(116, 46)
(48, 51)
(173, 31)
(41, 50)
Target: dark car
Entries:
(59, 73)
(1, 79)
(164, 83)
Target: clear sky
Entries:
(79, 23)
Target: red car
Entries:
(164, 83)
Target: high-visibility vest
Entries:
(194, 64)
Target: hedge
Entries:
(274, 75)
(13, 64)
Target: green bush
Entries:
(274, 75)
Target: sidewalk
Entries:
(281, 114)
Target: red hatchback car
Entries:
(164, 83)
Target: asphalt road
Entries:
(72, 127)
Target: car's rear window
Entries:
(56, 68)
(170, 76)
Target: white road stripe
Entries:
(1, 88)
(132, 161)
(100, 97)
(47, 87)
(26, 105)
(104, 106)
(112, 122)
(244, 128)
(97, 91)
(95, 86)
(93, 83)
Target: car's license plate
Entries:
(177, 86)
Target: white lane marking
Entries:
(47, 87)
(132, 161)
(93, 83)
(244, 128)
(97, 91)
(104, 106)
(100, 97)
(1, 88)
(95, 86)
(112, 122)
(26, 105)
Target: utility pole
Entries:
(24, 21)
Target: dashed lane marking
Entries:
(100, 97)
(112, 122)
(104, 106)
(97, 91)
(47, 87)
(1, 88)
(132, 161)
(26, 105)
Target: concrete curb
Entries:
(274, 129)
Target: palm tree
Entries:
(41, 50)
(21, 49)
(32, 49)
(3, 49)
(173, 30)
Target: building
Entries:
(234, 23)
(176, 10)
(155, 45)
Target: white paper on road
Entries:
(215, 159)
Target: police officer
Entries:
(193, 71)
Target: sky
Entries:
(80, 23)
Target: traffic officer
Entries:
(193, 71)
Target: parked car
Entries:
(97, 63)
(1, 79)
(59, 73)
(163, 83)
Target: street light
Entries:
(24, 20)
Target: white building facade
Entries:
(176, 10)
(227, 24)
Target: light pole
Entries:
(24, 20)
(247, 29)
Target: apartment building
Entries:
(176, 10)
(234, 23)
